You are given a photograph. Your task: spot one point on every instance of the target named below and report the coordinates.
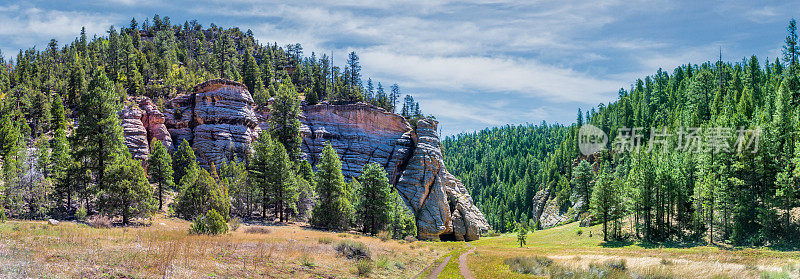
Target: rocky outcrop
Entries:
(360, 133)
(539, 202)
(217, 119)
(142, 123)
(443, 207)
(363, 133)
(220, 122)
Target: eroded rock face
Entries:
(217, 119)
(360, 133)
(443, 207)
(220, 121)
(142, 123)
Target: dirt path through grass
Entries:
(439, 269)
(462, 264)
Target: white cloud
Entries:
(487, 115)
(26, 27)
(488, 74)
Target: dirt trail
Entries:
(462, 264)
(439, 269)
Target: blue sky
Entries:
(472, 64)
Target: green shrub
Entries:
(211, 223)
(325, 240)
(364, 267)
(535, 265)
(353, 249)
(2, 214)
(579, 232)
(80, 213)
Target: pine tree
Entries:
(790, 49)
(77, 81)
(582, 177)
(58, 120)
(201, 193)
(402, 222)
(334, 208)
(61, 163)
(394, 96)
(159, 167)
(251, 75)
(522, 234)
(270, 170)
(374, 195)
(284, 120)
(605, 199)
(98, 137)
(183, 160)
(128, 193)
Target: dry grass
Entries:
(257, 230)
(167, 250)
(582, 253)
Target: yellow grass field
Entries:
(165, 249)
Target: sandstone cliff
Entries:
(220, 121)
(142, 123)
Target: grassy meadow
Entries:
(581, 253)
(165, 249)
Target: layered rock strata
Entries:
(220, 122)
(217, 119)
(142, 123)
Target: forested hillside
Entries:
(64, 154)
(504, 167)
(734, 181)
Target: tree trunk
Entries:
(125, 214)
(160, 197)
(605, 226)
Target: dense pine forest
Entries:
(732, 191)
(63, 153)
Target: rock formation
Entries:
(217, 119)
(142, 123)
(360, 133)
(220, 121)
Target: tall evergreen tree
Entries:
(270, 170)
(334, 208)
(284, 120)
(374, 195)
(98, 137)
(159, 167)
(183, 161)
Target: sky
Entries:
(472, 64)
